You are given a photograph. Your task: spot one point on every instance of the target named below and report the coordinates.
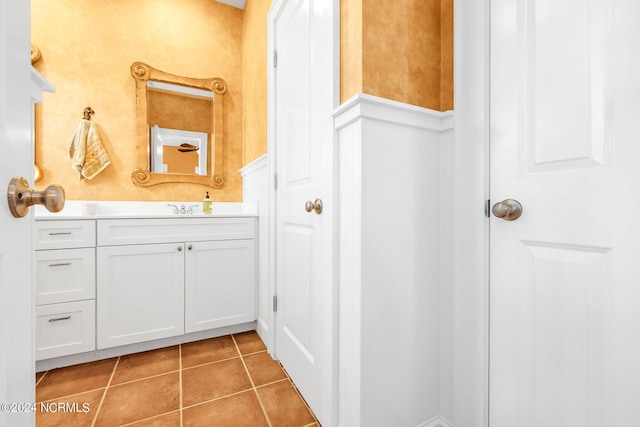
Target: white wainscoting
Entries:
(255, 188)
(393, 359)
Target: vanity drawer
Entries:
(66, 328)
(64, 275)
(114, 232)
(62, 234)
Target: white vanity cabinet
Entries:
(158, 278)
(64, 274)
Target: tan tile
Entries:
(171, 419)
(239, 410)
(215, 380)
(75, 379)
(74, 411)
(263, 368)
(206, 351)
(284, 406)
(146, 364)
(249, 342)
(138, 400)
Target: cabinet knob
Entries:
(179, 248)
(190, 247)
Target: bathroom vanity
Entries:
(124, 276)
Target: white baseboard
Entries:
(436, 422)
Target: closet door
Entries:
(564, 341)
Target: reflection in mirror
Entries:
(178, 151)
(178, 115)
(179, 128)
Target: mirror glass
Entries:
(179, 128)
(180, 121)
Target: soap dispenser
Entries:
(206, 204)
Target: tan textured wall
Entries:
(350, 48)
(446, 80)
(254, 84)
(88, 48)
(400, 50)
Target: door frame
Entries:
(471, 235)
(272, 147)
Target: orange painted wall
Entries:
(254, 83)
(400, 50)
(87, 49)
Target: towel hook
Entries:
(87, 113)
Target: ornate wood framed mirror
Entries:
(185, 114)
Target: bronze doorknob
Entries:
(21, 196)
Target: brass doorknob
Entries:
(508, 209)
(21, 196)
(316, 206)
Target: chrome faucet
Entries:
(175, 208)
(190, 210)
(183, 210)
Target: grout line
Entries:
(218, 398)
(150, 418)
(180, 383)
(313, 424)
(72, 395)
(95, 417)
(210, 363)
(41, 378)
(145, 378)
(271, 383)
(300, 395)
(255, 390)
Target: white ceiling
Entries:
(235, 3)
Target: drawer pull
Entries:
(59, 233)
(60, 264)
(57, 319)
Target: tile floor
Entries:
(226, 381)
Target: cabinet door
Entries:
(140, 293)
(64, 275)
(220, 284)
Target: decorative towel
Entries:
(86, 152)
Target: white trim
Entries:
(39, 85)
(235, 3)
(366, 106)
(174, 88)
(255, 188)
(254, 166)
(471, 232)
(437, 422)
(366, 125)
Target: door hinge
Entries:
(487, 209)
(275, 303)
(275, 181)
(275, 59)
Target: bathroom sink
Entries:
(125, 209)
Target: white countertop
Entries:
(88, 209)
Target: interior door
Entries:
(305, 95)
(565, 276)
(17, 365)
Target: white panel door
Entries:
(17, 366)
(565, 276)
(305, 95)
